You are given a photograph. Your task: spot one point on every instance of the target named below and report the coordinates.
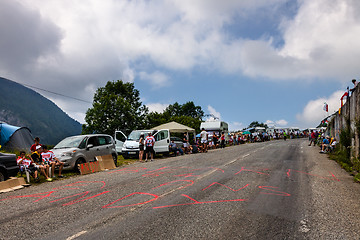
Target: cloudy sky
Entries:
(273, 61)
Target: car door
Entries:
(162, 138)
(105, 145)
(92, 152)
(119, 138)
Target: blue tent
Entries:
(15, 138)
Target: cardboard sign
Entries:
(106, 162)
(11, 184)
(90, 167)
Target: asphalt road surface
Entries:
(272, 190)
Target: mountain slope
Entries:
(23, 107)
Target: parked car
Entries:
(131, 145)
(8, 166)
(84, 148)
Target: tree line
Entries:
(117, 106)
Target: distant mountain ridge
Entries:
(23, 107)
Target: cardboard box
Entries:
(11, 184)
(90, 167)
(106, 162)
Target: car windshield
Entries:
(70, 142)
(135, 135)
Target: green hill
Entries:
(23, 107)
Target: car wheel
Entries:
(2, 175)
(115, 159)
(79, 161)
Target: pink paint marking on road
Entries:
(248, 170)
(40, 196)
(81, 183)
(77, 200)
(334, 176)
(197, 202)
(186, 175)
(157, 170)
(153, 174)
(234, 190)
(274, 192)
(313, 175)
(288, 173)
(190, 183)
(135, 204)
(128, 170)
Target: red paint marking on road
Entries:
(288, 173)
(278, 193)
(37, 195)
(313, 175)
(157, 169)
(135, 204)
(248, 170)
(154, 174)
(186, 175)
(77, 200)
(234, 190)
(190, 181)
(128, 170)
(334, 176)
(81, 183)
(197, 202)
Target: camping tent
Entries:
(175, 127)
(15, 138)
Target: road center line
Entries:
(76, 235)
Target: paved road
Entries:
(272, 190)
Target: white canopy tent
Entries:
(175, 128)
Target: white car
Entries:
(131, 145)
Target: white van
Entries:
(218, 127)
(130, 148)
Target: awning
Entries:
(174, 127)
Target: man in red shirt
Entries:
(37, 143)
(149, 143)
(312, 138)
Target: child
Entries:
(27, 165)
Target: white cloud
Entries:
(84, 44)
(213, 112)
(277, 123)
(321, 41)
(157, 107)
(313, 112)
(156, 79)
(235, 126)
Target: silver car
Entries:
(84, 148)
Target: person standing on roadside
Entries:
(149, 142)
(186, 144)
(204, 140)
(222, 138)
(141, 147)
(312, 137)
(215, 140)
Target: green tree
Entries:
(187, 114)
(116, 106)
(257, 124)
